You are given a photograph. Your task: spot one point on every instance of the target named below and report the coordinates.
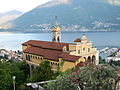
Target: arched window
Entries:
(89, 59)
(54, 39)
(78, 51)
(85, 58)
(28, 57)
(83, 49)
(58, 39)
(93, 59)
(88, 49)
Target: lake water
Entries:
(13, 41)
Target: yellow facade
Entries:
(24, 47)
(83, 49)
(79, 61)
(36, 60)
(67, 65)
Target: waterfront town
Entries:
(61, 57)
(17, 55)
(59, 45)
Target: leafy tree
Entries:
(5, 77)
(20, 70)
(42, 73)
(59, 72)
(116, 63)
(5, 56)
(62, 83)
(8, 69)
(1, 57)
(19, 52)
(102, 61)
(100, 77)
(60, 65)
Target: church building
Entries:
(74, 54)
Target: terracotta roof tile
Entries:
(78, 40)
(47, 44)
(51, 54)
(46, 53)
(68, 57)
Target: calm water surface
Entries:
(13, 41)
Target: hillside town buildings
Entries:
(115, 57)
(10, 55)
(75, 54)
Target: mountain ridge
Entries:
(72, 14)
(7, 18)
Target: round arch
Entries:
(28, 57)
(85, 58)
(58, 39)
(54, 39)
(93, 59)
(89, 59)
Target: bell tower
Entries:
(56, 32)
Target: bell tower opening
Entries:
(58, 39)
(56, 32)
(53, 39)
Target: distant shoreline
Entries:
(50, 31)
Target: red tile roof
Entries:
(81, 64)
(47, 44)
(68, 57)
(78, 40)
(51, 54)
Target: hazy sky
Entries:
(26, 5)
(22, 5)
